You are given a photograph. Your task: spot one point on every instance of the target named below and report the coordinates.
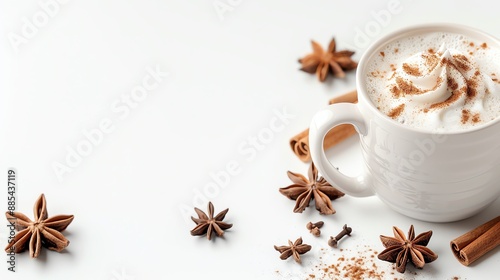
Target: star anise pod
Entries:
(303, 191)
(401, 250)
(209, 224)
(293, 249)
(41, 232)
(322, 62)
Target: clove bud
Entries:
(314, 228)
(334, 240)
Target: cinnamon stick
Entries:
(300, 142)
(350, 97)
(474, 244)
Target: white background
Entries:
(229, 72)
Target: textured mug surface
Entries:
(436, 177)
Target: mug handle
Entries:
(322, 122)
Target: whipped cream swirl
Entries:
(444, 85)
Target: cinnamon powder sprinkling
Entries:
(378, 74)
(431, 60)
(461, 62)
(411, 69)
(476, 118)
(382, 54)
(494, 78)
(407, 87)
(454, 97)
(484, 45)
(357, 264)
(444, 61)
(465, 116)
(452, 83)
(394, 113)
(395, 92)
(471, 88)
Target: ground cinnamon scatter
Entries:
(407, 87)
(471, 88)
(393, 67)
(396, 50)
(476, 118)
(394, 113)
(431, 50)
(382, 54)
(465, 116)
(454, 97)
(484, 45)
(471, 44)
(378, 74)
(452, 83)
(444, 61)
(494, 78)
(431, 60)
(395, 92)
(461, 62)
(461, 57)
(356, 264)
(411, 69)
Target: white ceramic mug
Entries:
(437, 177)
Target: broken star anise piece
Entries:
(303, 191)
(322, 62)
(401, 250)
(209, 224)
(41, 232)
(293, 249)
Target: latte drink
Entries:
(437, 81)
